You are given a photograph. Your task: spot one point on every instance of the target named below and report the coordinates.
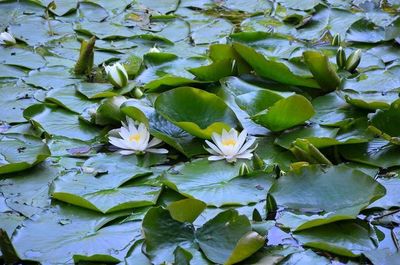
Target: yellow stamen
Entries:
(229, 142)
(134, 137)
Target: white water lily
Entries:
(117, 75)
(7, 39)
(230, 146)
(135, 140)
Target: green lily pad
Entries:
(27, 192)
(322, 70)
(227, 238)
(104, 188)
(19, 152)
(68, 234)
(103, 194)
(385, 120)
(378, 153)
(272, 69)
(284, 113)
(342, 193)
(218, 183)
(48, 78)
(334, 20)
(366, 31)
(233, 242)
(70, 99)
(372, 90)
(56, 121)
(186, 210)
(345, 238)
(391, 198)
(198, 112)
(97, 90)
(332, 110)
(163, 235)
(14, 100)
(21, 58)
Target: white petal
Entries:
(155, 141)
(233, 133)
(119, 142)
(216, 138)
(131, 126)
(124, 133)
(214, 147)
(247, 145)
(211, 151)
(225, 135)
(215, 158)
(245, 155)
(115, 76)
(123, 70)
(126, 152)
(157, 150)
(240, 141)
(107, 69)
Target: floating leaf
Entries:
(346, 238)
(19, 152)
(271, 69)
(218, 183)
(284, 113)
(77, 235)
(56, 121)
(342, 193)
(196, 111)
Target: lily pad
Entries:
(56, 121)
(76, 235)
(103, 193)
(272, 69)
(284, 113)
(342, 193)
(196, 111)
(19, 152)
(218, 183)
(346, 238)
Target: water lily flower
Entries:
(135, 140)
(7, 39)
(117, 75)
(230, 146)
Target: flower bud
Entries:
(244, 169)
(353, 61)
(138, 93)
(154, 50)
(258, 163)
(7, 39)
(117, 75)
(341, 58)
(336, 40)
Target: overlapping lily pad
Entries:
(77, 235)
(323, 196)
(19, 152)
(218, 183)
(196, 111)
